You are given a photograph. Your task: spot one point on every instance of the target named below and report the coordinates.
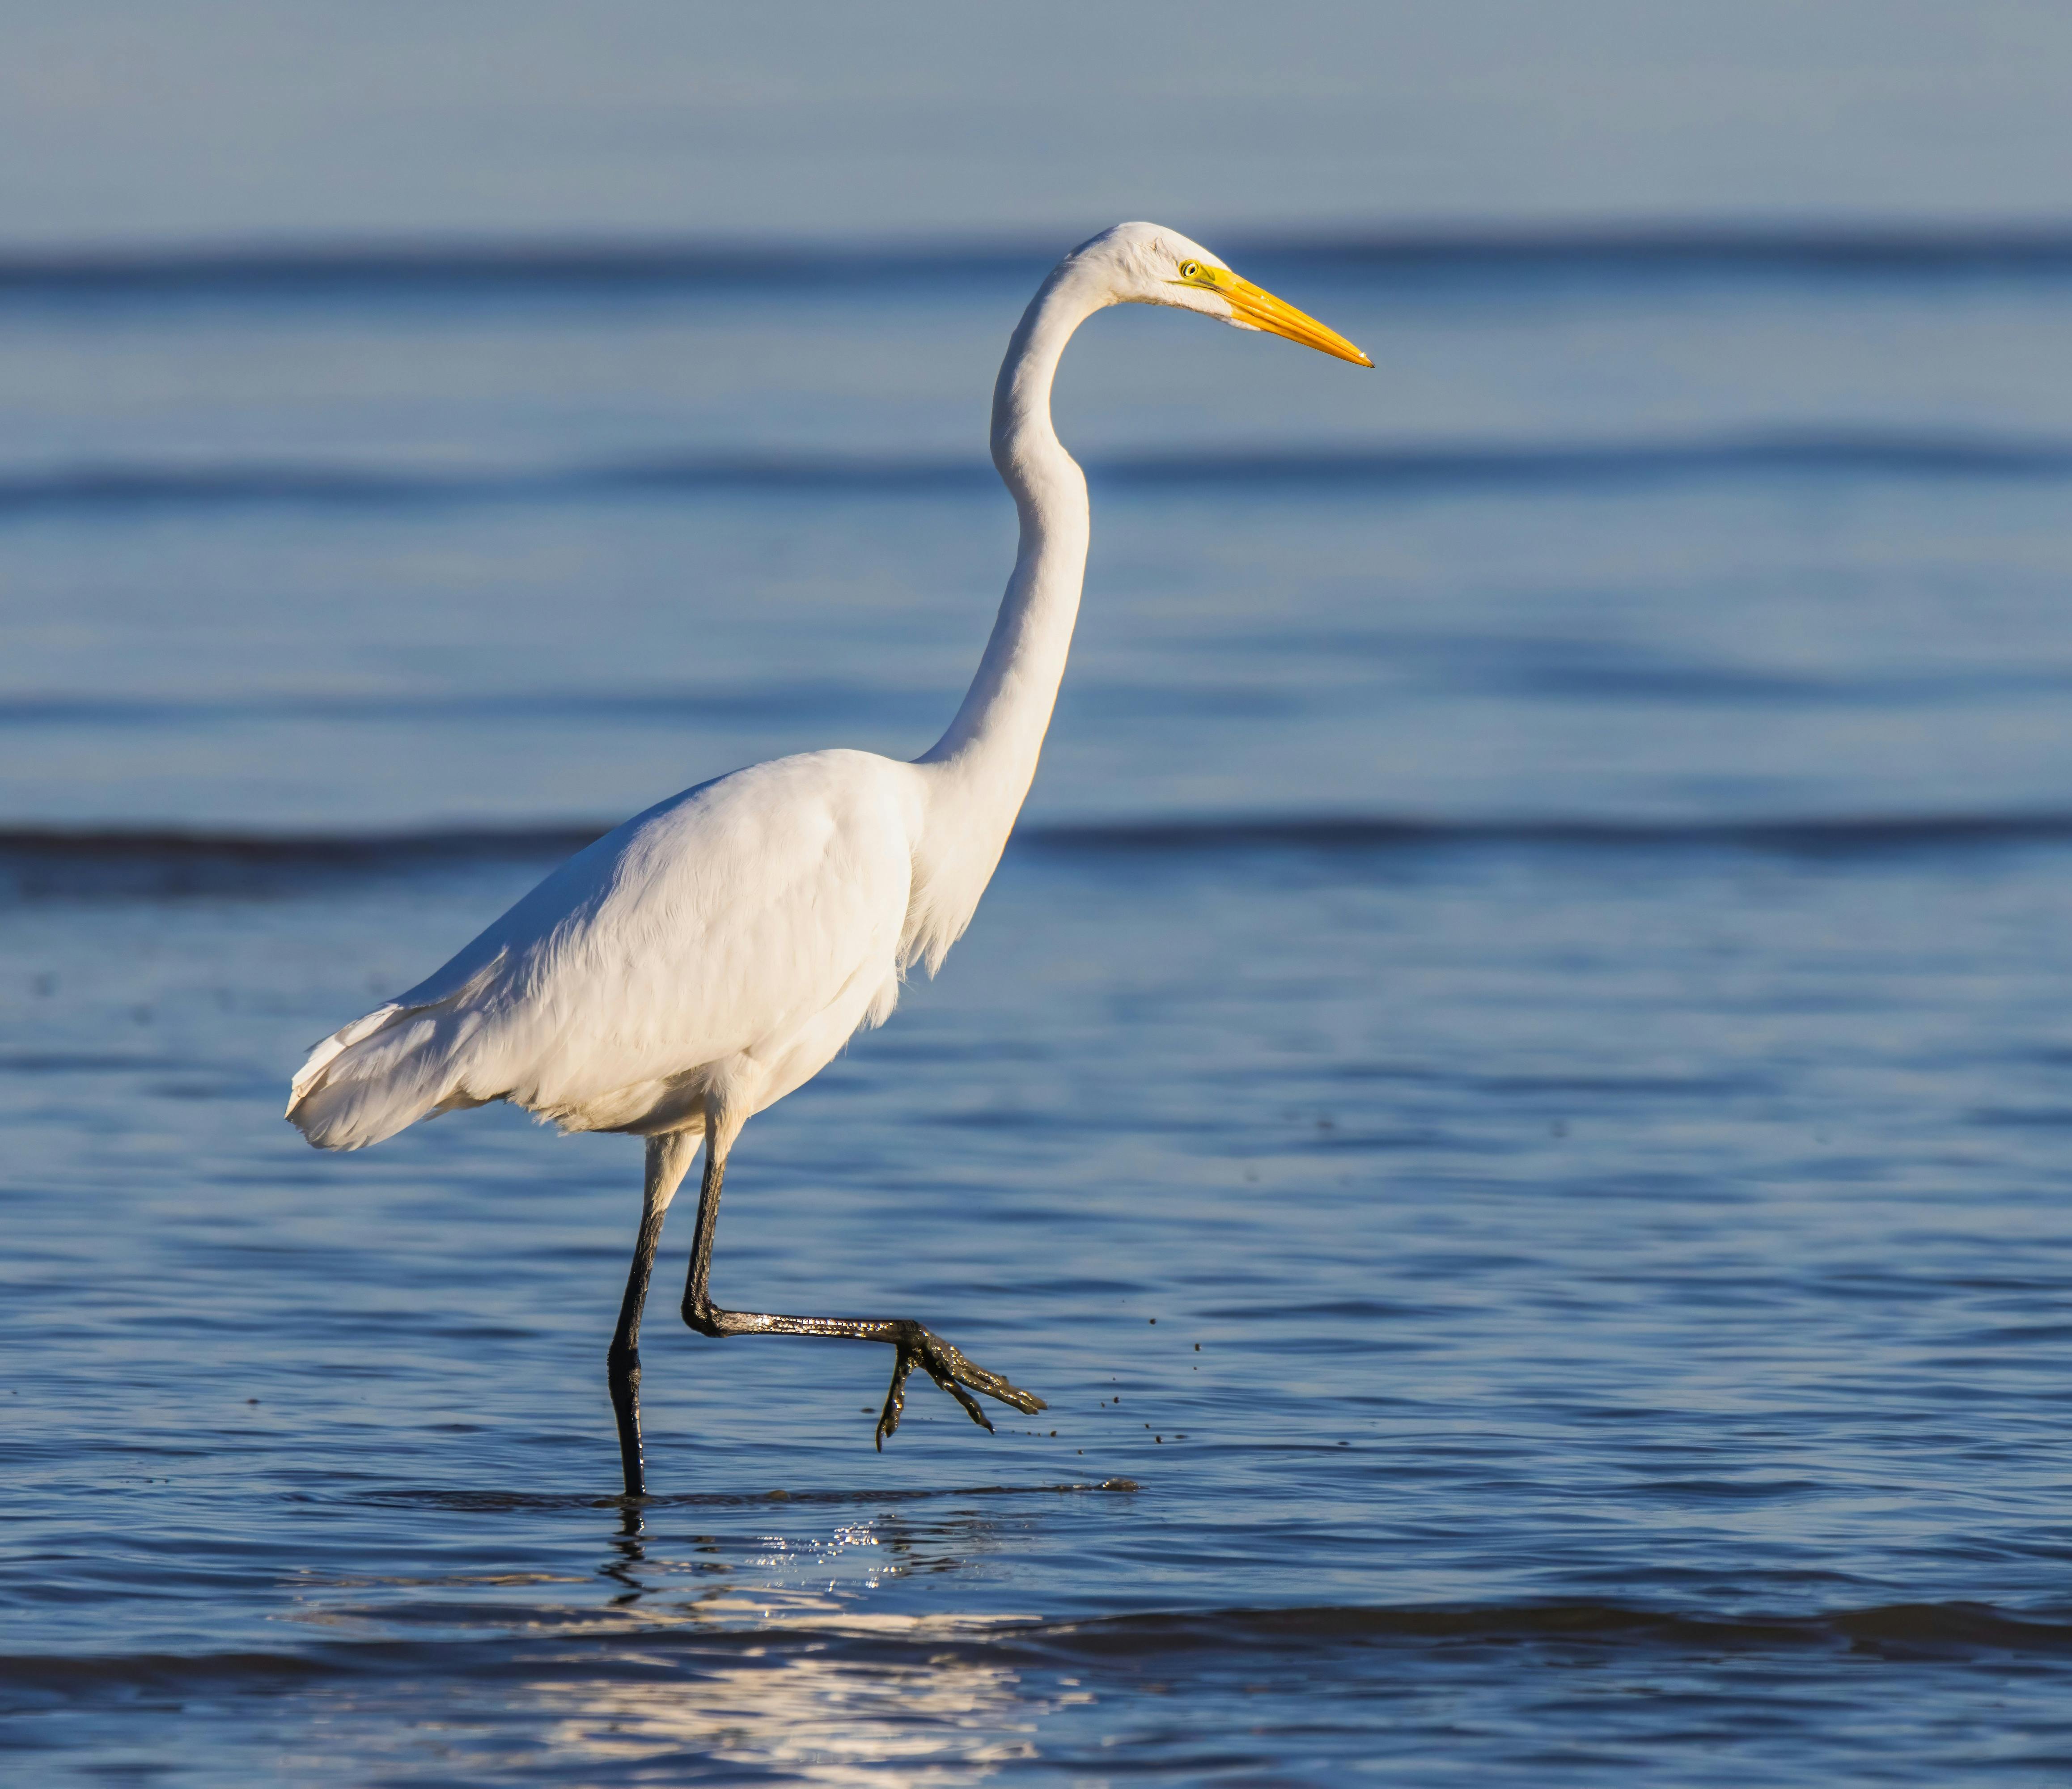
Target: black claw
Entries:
(895, 1398)
(969, 1403)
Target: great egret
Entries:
(715, 953)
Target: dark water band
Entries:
(1822, 835)
(103, 487)
(352, 270)
(1945, 1631)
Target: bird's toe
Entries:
(949, 1369)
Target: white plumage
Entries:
(636, 979)
(702, 961)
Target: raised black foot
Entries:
(921, 1347)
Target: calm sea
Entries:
(1514, 1093)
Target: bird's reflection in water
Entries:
(628, 1555)
(630, 1566)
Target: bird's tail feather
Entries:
(383, 1072)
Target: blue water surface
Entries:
(1511, 1093)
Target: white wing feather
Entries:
(753, 921)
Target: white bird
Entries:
(709, 955)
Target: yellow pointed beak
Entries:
(1253, 307)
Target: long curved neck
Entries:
(986, 761)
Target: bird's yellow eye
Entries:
(1190, 270)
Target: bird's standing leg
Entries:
(916, 1346)
(667, 1158)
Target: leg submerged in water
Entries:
(916, 1346)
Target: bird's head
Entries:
(1148, 264)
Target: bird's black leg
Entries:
(916, 1346)
(668, 1157)
(624, 1362)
